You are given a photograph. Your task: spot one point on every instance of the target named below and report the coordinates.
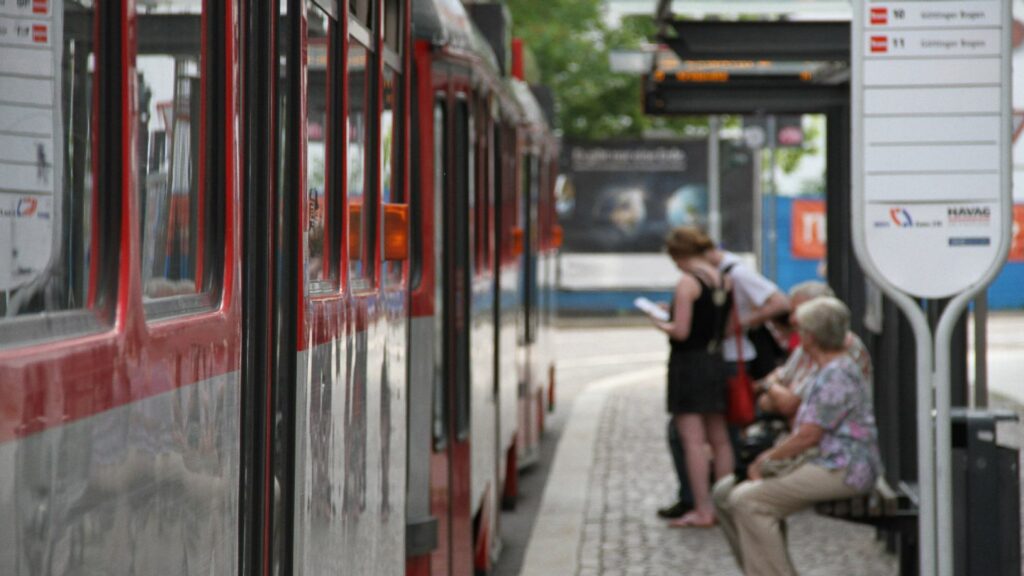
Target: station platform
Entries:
(612, 470)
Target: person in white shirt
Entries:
(758, 300)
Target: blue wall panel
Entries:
(1006, 292)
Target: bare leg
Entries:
(691, 429)
(721, 447)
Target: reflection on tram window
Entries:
(171, 125)
(321, 264)
(390, 154)
(47, 213)
(360, 198)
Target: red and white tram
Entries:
(484, 227)
(274, 288)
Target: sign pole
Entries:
(947, 323)
(932, 209)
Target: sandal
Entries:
(693, 520)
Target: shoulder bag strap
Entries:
(741, 364)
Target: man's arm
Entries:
(776, 304)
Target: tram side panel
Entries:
(529, 357)
(483, 397)
(546, 281)
(440, 354)
(507, 313)
(349, 501)
(119, 389)
(423, 347)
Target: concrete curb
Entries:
(557, 534)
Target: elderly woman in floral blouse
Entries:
(834, 434)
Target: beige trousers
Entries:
(752, 514)
(723, 512)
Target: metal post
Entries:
(981, 351)
(714, 181)
(943, 430)
(773, 260)
(925, 432)
(757, 200)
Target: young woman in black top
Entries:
(699, 314)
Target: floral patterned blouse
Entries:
(838, 400)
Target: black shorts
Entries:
(696, 383)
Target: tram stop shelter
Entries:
(717, 60)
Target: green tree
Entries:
(571, 43)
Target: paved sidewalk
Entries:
(612, 471)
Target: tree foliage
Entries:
(571, 44)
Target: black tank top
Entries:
(708, 319)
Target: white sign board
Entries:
(931, 102)
(30, 136)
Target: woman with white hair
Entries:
(834, 430)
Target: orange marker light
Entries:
(355, 230)
(517, 241)
(557, 235)
(396, 231)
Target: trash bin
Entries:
(986, 495)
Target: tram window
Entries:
(52, 214)
(461, 269)
(477, 207)
(416, 243)
(486, 191)
(467, 171)
(361, 201)
(323, 207)
(530, 250)
(393, 25)
(362, 10)
(391, 186)
(440, 175)
(494, 198)
(179, 196)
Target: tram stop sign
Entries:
(931, 129)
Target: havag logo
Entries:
(969, 215)
(26, 207)
(901, 217)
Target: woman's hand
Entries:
(754, 470)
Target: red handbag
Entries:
(739, 409)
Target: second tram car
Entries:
(483, 223)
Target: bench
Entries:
(883, 507)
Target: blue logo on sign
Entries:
(901, 217)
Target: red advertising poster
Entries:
(1017, 247)
(808, 229)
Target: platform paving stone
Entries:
(632, 476)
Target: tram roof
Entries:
(532, 112)
(446, 23)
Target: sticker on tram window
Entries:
(30, 139)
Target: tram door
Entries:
(450, 474)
